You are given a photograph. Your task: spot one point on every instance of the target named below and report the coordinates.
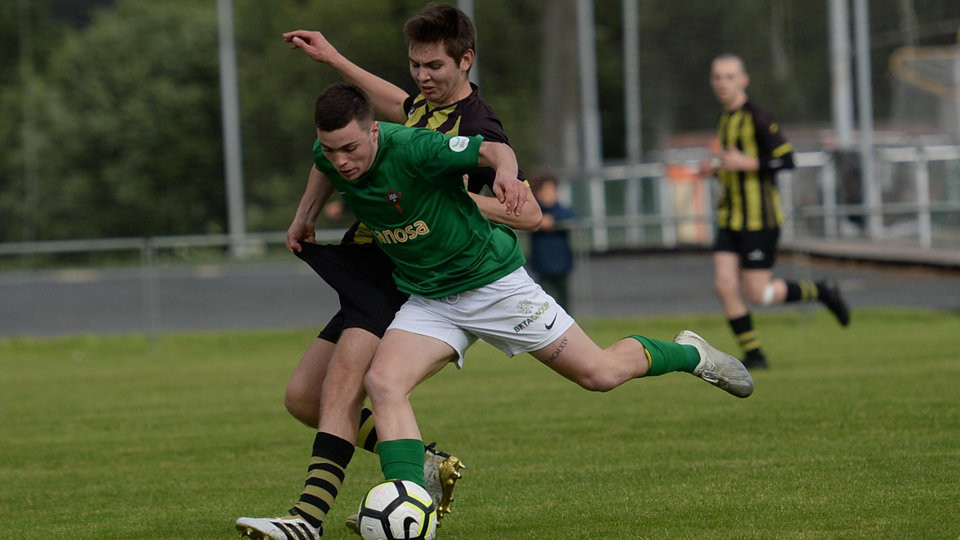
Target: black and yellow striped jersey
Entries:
(751, 201)
(470, 116)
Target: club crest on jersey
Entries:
(393, 197)
(459, 143)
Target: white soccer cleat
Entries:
(286, 528)
(717, 367)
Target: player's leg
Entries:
(338, 373)
(342, 394)
(302, 397)
(727, 282)
(776, 291)
(516, 315)
(304, 389)
(403, 360)
(341, 399)
(575, 356)
(763, 289)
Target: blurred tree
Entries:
(23, 27)
(132, 109)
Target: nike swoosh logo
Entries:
(409, 522)
(549, 326)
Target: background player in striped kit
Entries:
(750, 151)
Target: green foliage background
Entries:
(112, 127)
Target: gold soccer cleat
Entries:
(441, 472)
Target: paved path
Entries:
(286, 294)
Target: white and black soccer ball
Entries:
(398, 510)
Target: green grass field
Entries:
(853, 434)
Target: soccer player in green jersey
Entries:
(751, 148)
(464, 273)
(326, 389)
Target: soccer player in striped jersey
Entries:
(750, 151)
(326, 388)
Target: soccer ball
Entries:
(398, 510)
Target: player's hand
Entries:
(511, 193)
(300, 231)
(708, 168)
(313, 43)
(732, 159)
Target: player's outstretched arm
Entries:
(315, 195)
(386, 97)
(500, 158)
(527, 220)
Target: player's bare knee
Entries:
(376, 385)
(597, 381)
(300, 407)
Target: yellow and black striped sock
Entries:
(331, 455)
(802, 291)
(747, 337)
(367, 435)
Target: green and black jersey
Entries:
(751, 201)
(470, 116)
(414, 201)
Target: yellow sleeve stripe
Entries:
(782, 150)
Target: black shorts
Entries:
(362, 275)
(757, 249)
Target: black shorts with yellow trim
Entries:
(757, 249)
(362, 276)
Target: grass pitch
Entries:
(853, 433)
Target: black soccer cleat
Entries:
(830, 296)
(755, 361)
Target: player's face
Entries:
(729, 81)
(442, 79)
(351, 149)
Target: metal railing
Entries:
(680, 208)
(649, 205)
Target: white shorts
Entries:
(513, 314)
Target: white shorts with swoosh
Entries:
(513, 314)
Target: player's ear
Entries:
(374, 130)
(466, 61)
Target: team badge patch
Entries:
(393, 197)
(459, 144)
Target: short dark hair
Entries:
(340, 104)
(444, 23)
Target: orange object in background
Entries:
(688, 187)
